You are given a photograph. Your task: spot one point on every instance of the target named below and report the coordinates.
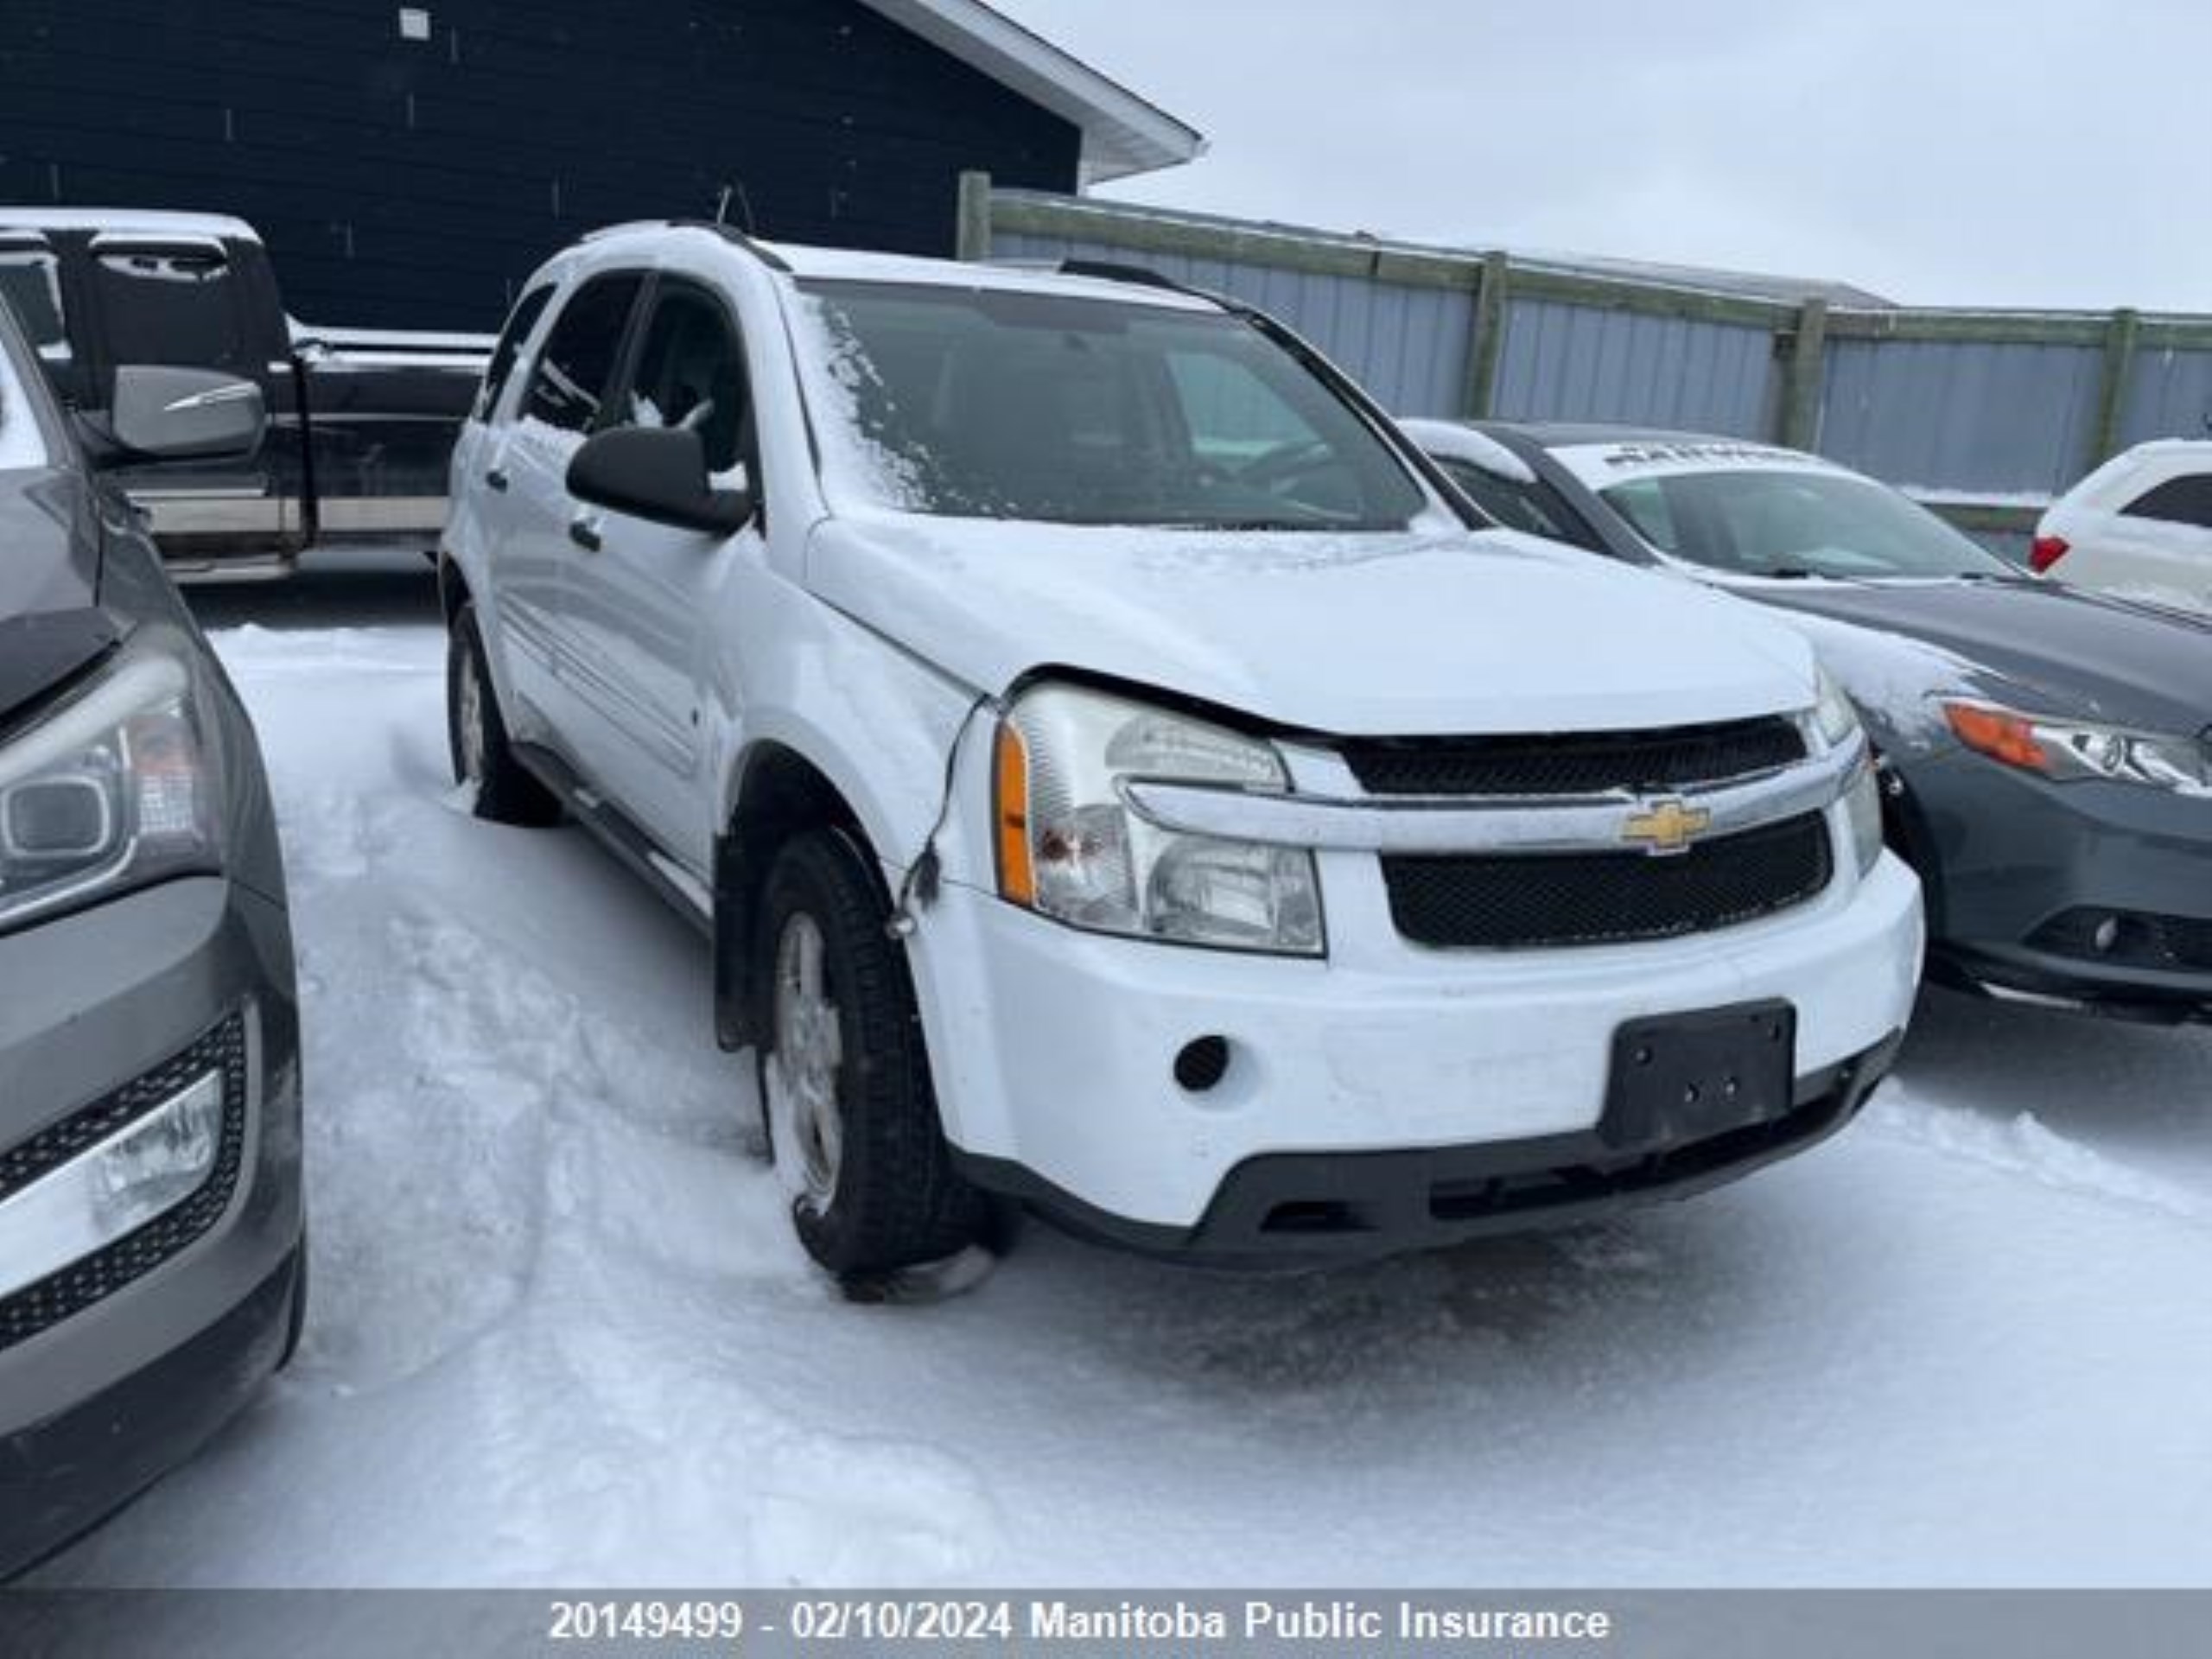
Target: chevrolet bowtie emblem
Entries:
(1668, 827)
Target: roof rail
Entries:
(736, 238)
(729, 233)
(1104, 270)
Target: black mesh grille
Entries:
(1579, 763)
(1501, 902)
(37, 1306)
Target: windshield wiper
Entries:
(1251, 526)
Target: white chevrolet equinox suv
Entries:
(1116, 780)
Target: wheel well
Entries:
(780, 794)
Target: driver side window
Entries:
(690, 374)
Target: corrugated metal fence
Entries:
(1987, 412)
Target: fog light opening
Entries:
(1201, 1066)
(2104, 936)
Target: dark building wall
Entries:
(413, 184)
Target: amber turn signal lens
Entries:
(1998, 735)
(1010, 811)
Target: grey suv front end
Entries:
(152, 1256)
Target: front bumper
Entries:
(2021, 868)
(106, 1009)
(1310, 1208)
(1054, 1052)
(61, 1477)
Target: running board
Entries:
(188, 571)
(613, 829)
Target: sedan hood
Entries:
(1371, 634)
(49, 585)
(2063, 651)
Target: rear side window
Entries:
(520, 322)
(2184, 500)
(30, 286)
(171, 305)
(578, 361)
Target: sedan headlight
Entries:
(1069, 847)
(2071, 751)
(111, 790)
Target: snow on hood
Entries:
(1367, 634)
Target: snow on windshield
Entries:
(1069, 409)
(22, 443)
(840, 383)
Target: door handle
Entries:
(584, 532)
(497, 479)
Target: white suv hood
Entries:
(1374, 635)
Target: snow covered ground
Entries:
(561, 1334)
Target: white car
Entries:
(2140, 526)
(1115, 780)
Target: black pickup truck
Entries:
(361, 424)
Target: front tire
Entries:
(845, 1074)
(476, 735)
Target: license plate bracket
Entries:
(1680, 1077)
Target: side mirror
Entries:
(659, 474)
(165, 414)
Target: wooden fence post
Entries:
(973, 234)
(1801, 397)
(2112, 396)
(1488, 344)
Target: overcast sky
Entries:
(2046, 153)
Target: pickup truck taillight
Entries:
(2045, 552)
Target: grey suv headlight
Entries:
(1069, 847)
(111, 790)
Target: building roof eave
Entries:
(1122, 133)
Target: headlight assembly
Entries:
(1862, 805)
(1834, 715)
(2071, 751)
(1069, 847)
(111, 790)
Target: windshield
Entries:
(1000, 404)
(1790, 523)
